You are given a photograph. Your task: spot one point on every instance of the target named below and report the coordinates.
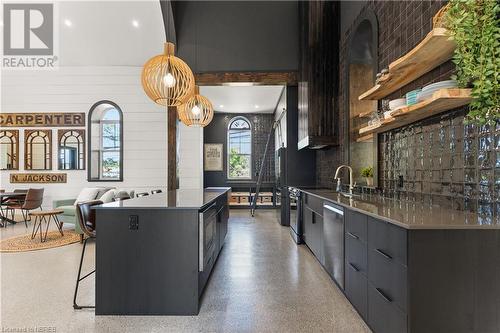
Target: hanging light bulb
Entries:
(197, 111)
(169, 80)
(166, 79)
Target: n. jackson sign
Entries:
(38, 178)
(42, 119)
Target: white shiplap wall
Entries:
(190, 157)
(76, 89)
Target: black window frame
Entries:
(89, 143)
(250, 129)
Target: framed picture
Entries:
(213, 157)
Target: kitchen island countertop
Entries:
(178, 199)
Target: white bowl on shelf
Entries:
(440, 85)
(397, 103)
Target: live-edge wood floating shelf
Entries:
(441, 101)
(432, 51)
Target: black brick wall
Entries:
(468, 174)
(216, 132)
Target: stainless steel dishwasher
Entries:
(333, 242)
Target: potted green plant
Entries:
(367, 173)
(475, 28)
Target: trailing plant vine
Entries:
(475, 27)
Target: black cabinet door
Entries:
(356, 289)
(307, 224)
(313, 233)
(383, 316)
(222, 220)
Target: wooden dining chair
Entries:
(33, 200)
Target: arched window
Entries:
(38, 150)
(105, 159)
(239, 149)
(9, 150)
(71, 149)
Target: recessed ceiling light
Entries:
(221, 106)
(135, 23)
(256, 106)
(68, 23)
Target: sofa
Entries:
(107, 194)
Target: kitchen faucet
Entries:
(339, 183)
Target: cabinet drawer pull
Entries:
(353, 235)
(385, 255)
(381, 293)
(354, 267)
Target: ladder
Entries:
(276, 124)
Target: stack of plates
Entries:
(428, 90)
(411, 97)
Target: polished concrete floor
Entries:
(262, 282)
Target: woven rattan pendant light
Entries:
(166, 79)
(197, 111)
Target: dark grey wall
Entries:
(216, 132)
(226, 36)
(349, 10)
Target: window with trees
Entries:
(239, 149)
(106, 142)
(9, 150)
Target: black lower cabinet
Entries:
(356, 286)
(383, 316)
(414, 280)
(313, 232)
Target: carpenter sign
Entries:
(49, 119)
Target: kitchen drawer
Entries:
(314, 203)
(356, 225)
(383, 317)
(355, 253)
(356, 289)
(388, 239)
(390, 277)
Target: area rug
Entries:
(25, 243)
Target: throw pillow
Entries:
(88, 193)
(108, 196)
(103, 190)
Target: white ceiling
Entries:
(243, 99)
(109, 33)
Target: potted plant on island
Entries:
(367, 173)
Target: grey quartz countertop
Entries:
(179, 199)
(408, 214)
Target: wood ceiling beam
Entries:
(256, 78)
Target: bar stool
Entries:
(86, 220)
(155, 191)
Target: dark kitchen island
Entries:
(154, 254)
